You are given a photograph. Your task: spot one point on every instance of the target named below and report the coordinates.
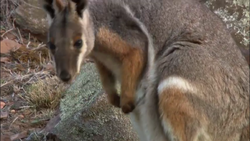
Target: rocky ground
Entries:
(28, 95)
(32, 98)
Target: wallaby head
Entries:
(70, 35)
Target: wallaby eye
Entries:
(78, 43)
(51, 46)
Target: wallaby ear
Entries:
(133, 23)
(80, 6)
(133, 30)
(48, 7)
(52, 7)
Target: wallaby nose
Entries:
(65, 76)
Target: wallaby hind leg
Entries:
(180, 120)
(108, 82)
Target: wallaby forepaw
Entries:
(115, 100)
(127, 108)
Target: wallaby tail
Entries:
(179, 117)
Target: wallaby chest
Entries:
(110, 62)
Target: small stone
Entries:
(49, 67)
(4, 59)
(4, 115)
(19, 136)
(5, 138)
(2, 104)
(8, 45)
(17, 105)
(21, 116)
(12, 111)
(10, 36)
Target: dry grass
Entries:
(7, 7)
(45, 94)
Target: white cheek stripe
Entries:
(49, 19)
(84, 47)
(79, 62)
(80, 56)
(175, 82)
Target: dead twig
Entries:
(7, 7)
(27, 46)
(13, 121)
(30, 4)
(6, 83)
(7, 32)
(20, 36)
(41, 45)
(26, 107)
(31, 77)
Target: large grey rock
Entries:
(31, 17)
(86, 115)
(236, 15)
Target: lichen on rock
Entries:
(82, 93)
(235, 13)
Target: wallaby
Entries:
(182, 76)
